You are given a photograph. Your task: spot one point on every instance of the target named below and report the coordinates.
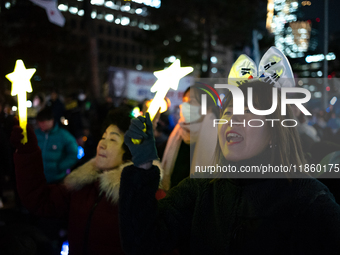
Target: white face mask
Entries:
(191, 113)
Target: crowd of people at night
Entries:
(81, 178)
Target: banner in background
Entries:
(136, 85)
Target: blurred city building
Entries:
(118, 26)
(298, 27)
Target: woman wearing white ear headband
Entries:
(181, 150)
(235, 213)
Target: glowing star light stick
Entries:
(21, 84)
(166, 79)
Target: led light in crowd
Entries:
(319, 73)
(14, 108)
(80, 154)
(7, 5)
(166, 42)
(328, 109)
(64, 121)
(333, 100)
(328, 88)
(139, 67)
(136, 112)
(62, 7)
(178, 38)
(93, 14)
(64, 248)
(28, 103)
(117, 21)
(166, 60)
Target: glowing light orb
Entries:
(21, 84)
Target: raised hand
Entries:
(145, 151)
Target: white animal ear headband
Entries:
(274, 68)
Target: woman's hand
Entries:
(17, 136)
(145, 152)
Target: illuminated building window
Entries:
(93, 14)
(73, 10)
(81, 13)
(109, 17)
(125, 21)
(97, 2)
(62, 7)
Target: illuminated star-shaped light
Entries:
(20, 78)
(169, 78)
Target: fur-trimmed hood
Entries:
(109, 181)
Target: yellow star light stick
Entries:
(21, 84)
(166, 79)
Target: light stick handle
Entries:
(22, 110)
(153, 109)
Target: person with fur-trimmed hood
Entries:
(89, 195)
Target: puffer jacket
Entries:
(228, 216)
(87, 198)
(59, 152)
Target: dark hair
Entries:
(120, 117)
(287, 147)
(45, 114)
(198, 92)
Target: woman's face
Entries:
(109, 149)
(240, 141)
(191, 113)
(119, 83)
